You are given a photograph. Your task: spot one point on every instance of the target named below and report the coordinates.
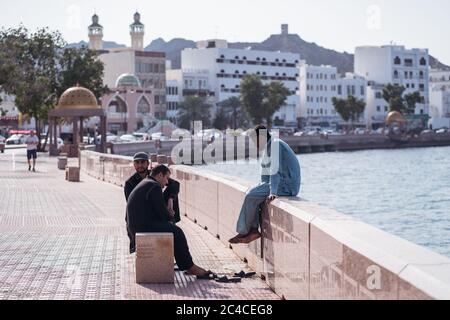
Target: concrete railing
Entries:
(307, 251)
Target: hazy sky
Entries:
(335, 24)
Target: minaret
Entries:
(137, 33)
(95, 34)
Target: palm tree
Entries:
(192, 109)
(231, 109)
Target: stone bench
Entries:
(154, 258)
(73, 174)
(62, 163)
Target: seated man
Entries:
(280, 177)
(141, 164)
(147, 212)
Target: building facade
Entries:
(228, 66)
(396, 65)
(148, 67)
(318, 86)
(129, 106)
(184, 83)
(439, 79)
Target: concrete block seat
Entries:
(154, 258)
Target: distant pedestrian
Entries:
(32, 143)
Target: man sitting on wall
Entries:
(147, 212)
(280, 177)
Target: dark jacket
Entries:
(145, 209)
(171, 192)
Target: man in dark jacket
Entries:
(147, 212)
(141, 163)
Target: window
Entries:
(408, 62)
(385, 109)
(362, 90)
(397, 61)
(395, 74)
(378, 108)
(339, 89)
(423, 62)
(378, 95)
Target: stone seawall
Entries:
(307, 251)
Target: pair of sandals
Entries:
(209, 275)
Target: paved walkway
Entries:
(61, 240)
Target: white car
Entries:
(109, 138)
(441, 131)
(159, 136)
(16, 139)
(208, 134)
(128, 138)
(360, 131)
(299, 134)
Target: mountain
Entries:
(172, 49)
(309, 51)
(106, 45)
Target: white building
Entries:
(181, 83)
(396, 65)
(318, 86)
(439, 79)
(377, 108)
(228, 66)
(440, 108)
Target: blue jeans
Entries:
(249, 215)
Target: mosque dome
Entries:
(128, 80)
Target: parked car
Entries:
(442, 130)
(299, 134)
(425, 132)
(109, 138)
(2, 144)
(360, 131)
(159, 136)
(127, 138)
(16, 139)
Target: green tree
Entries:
(262, 101)
(393, 94)
(37, 69)
(80, 66)
(410, 100)
(275, 96)
(233, 113)
(349, 109)
(194, 108)
(28, 66)
(252, 96)
(221, 120)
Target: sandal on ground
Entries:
(244, 274)
(225, 279)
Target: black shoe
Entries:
(29, 168)
(34, 170)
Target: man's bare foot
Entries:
(196, 271)
(252, 236)
(237, 238)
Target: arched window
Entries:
(117, 105)
(222, 57)
(423, 62)
(396, 74)
(143, 106)
(397, 61)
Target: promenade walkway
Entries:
(61, 240)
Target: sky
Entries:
(336, 24)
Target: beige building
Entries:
(148, 67)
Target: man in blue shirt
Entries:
(280, 177)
